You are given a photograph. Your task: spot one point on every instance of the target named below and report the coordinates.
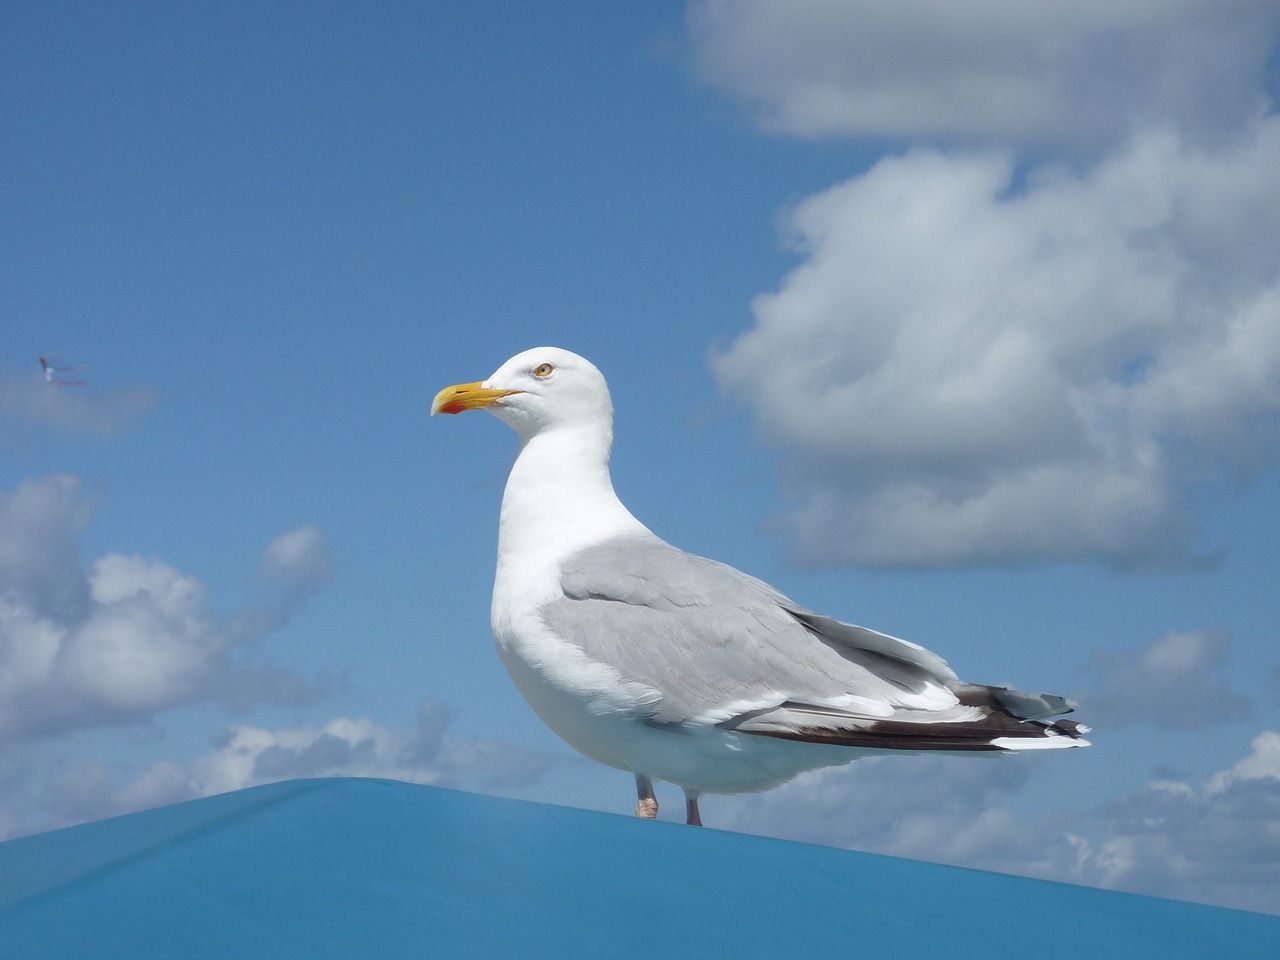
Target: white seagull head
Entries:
(536, 391)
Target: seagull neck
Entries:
(560, 498)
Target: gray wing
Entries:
(719, 646)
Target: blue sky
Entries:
(964, 326)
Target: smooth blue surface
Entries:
(372, 868)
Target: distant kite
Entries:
(57, 375)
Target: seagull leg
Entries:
(647, 806)
(692, 817)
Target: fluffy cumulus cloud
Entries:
(127, 636)
(246, 755)
(973, 366)
(944, 809)
(1217, 842)
(981, 358)
(1085, 71)
(424, 753)
(124, 639)
(1174, 681)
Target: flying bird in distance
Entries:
(59, 375)
(678, 668)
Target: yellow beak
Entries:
(467, 396)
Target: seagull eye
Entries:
(543, 370)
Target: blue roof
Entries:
(350, 868)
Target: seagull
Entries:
(681, 669)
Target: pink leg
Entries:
(647, 807)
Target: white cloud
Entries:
(1086, 71)
(1262, 764)
(125, 638)
(1173, 681)
(939, 808)
(425, 753)
(301, 557)
(247, 755)
(947, 809)
(294, 566)
(38, 556)
(1218, 843)
(965, 368)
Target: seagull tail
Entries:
(1001, 720)
(956, 737)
